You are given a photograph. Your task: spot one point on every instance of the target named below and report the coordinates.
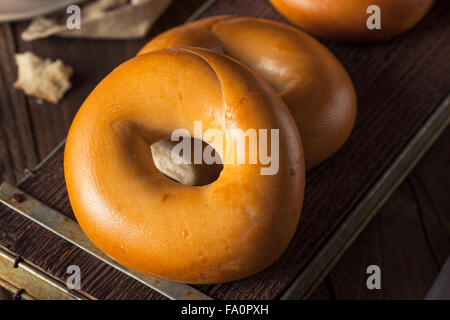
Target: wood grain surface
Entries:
(409, 238)
(399, 84)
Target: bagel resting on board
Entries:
(314, 85)
(227, 230)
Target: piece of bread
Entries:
(182, 168)
(44, 79)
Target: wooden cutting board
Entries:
(402, 88)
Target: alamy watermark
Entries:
(74, 279)
(74, 19)
(374, 280)
(233, 146)
(374, 20)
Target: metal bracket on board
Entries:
(25, 282)
(69, 230)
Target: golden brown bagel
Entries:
(314, 85)
(224, 231)
(345, 20)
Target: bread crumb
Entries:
(43, 79)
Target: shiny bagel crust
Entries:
(314, 85)
(346, 20)
(227, 230)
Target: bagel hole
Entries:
(188, 172)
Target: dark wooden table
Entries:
(408, 239)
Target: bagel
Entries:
(314, 85)
(346, 20)
(223, 231)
